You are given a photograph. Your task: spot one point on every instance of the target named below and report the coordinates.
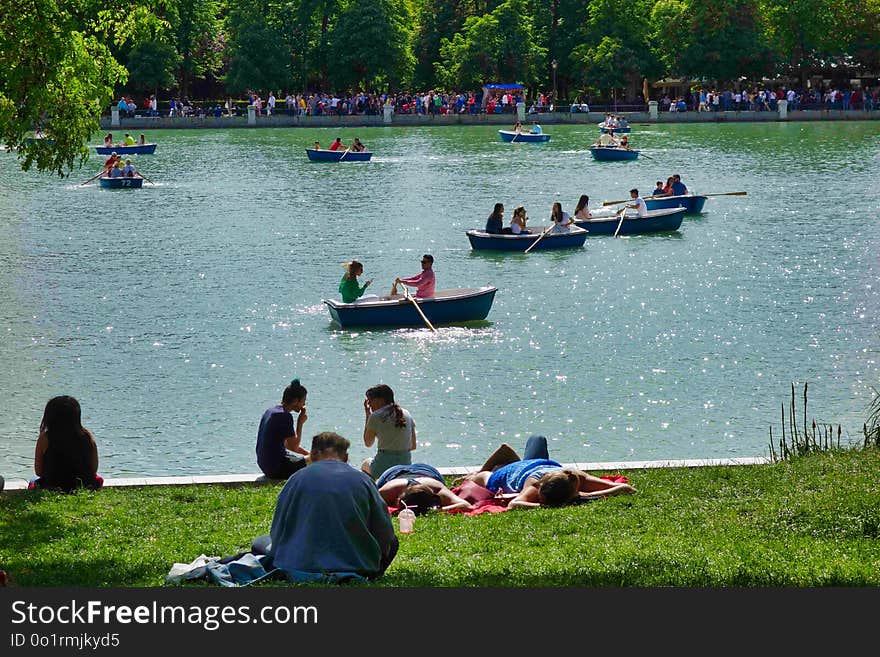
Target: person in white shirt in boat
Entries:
(562, 220)
(606, 140)
(638, 203)
(518, 222)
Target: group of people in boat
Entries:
(127, 140)
(609, 140)
(673, 187)
(614, 122)
(352, 291)
(356, 146)
(534, 130)
(114, 167)
(561, 221)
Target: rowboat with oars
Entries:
(338, 156)
(528, 137)
(613, 153)
(617, 130)
(606, 221)
(693, 203)
(445, 307)
(137, 149)
(481, 240)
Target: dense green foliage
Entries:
(63, 59)
(811, 521)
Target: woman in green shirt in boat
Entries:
(349, 288)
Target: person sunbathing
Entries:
(538, 480)
(420, 487)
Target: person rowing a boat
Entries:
(337, 144)
(606, 140)
(110, 163)
(423, 281)
(638, 203)
(129, 140)
(562, 220)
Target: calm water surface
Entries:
(178, 313)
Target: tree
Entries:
(56, 78)
(382, 52)
(720, 40)
(496, 46)
(196, 26)
(151, 65)
(255, 59)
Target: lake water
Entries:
(177, 313)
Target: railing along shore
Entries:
(256, 479)
(545, 118)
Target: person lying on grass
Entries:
(419, 487)
(538, 480)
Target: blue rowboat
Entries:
(612, 154)
(605, 223)
(617, 131)
(690, 202)
(121, 182)
(337, 156)
(511, 136)
(481, 240)
(445, 307)
(137, 149)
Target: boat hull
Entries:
(693, 204)
(121, 183)
(138, 149)
(447, 307)
(511, 136)
(617, 131)
(657, 221)
(604, 154)
(483, 241)
(337, 156)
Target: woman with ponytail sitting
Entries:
(392, 426)
(66, 455)
(279, 449)
(349, 288)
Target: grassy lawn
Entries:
(814, 521)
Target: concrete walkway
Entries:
(256, 479)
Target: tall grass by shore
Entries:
(811, 520)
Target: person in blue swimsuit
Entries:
(537, 480)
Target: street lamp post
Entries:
(553, 65)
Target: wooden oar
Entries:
(716, 194)
(416, 304)
(620, 223)
(145, 178)
(93, 177)
(532, 245)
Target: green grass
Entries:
(812, 521)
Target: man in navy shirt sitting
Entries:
(678, 187)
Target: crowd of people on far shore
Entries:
(766, 99)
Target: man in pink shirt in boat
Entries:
(423, 281)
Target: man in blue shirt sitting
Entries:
(536, 129)
(678, 187)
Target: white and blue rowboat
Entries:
(137, 149)
(338, 156)
(481, 240)
(605, 222)
(513, 136)
(613, 154)
(445, 307)
(691, 202)
(122, 182)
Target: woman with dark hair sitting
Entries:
(389, 425)
(279, 449)
(66, 456)
(419, 487)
